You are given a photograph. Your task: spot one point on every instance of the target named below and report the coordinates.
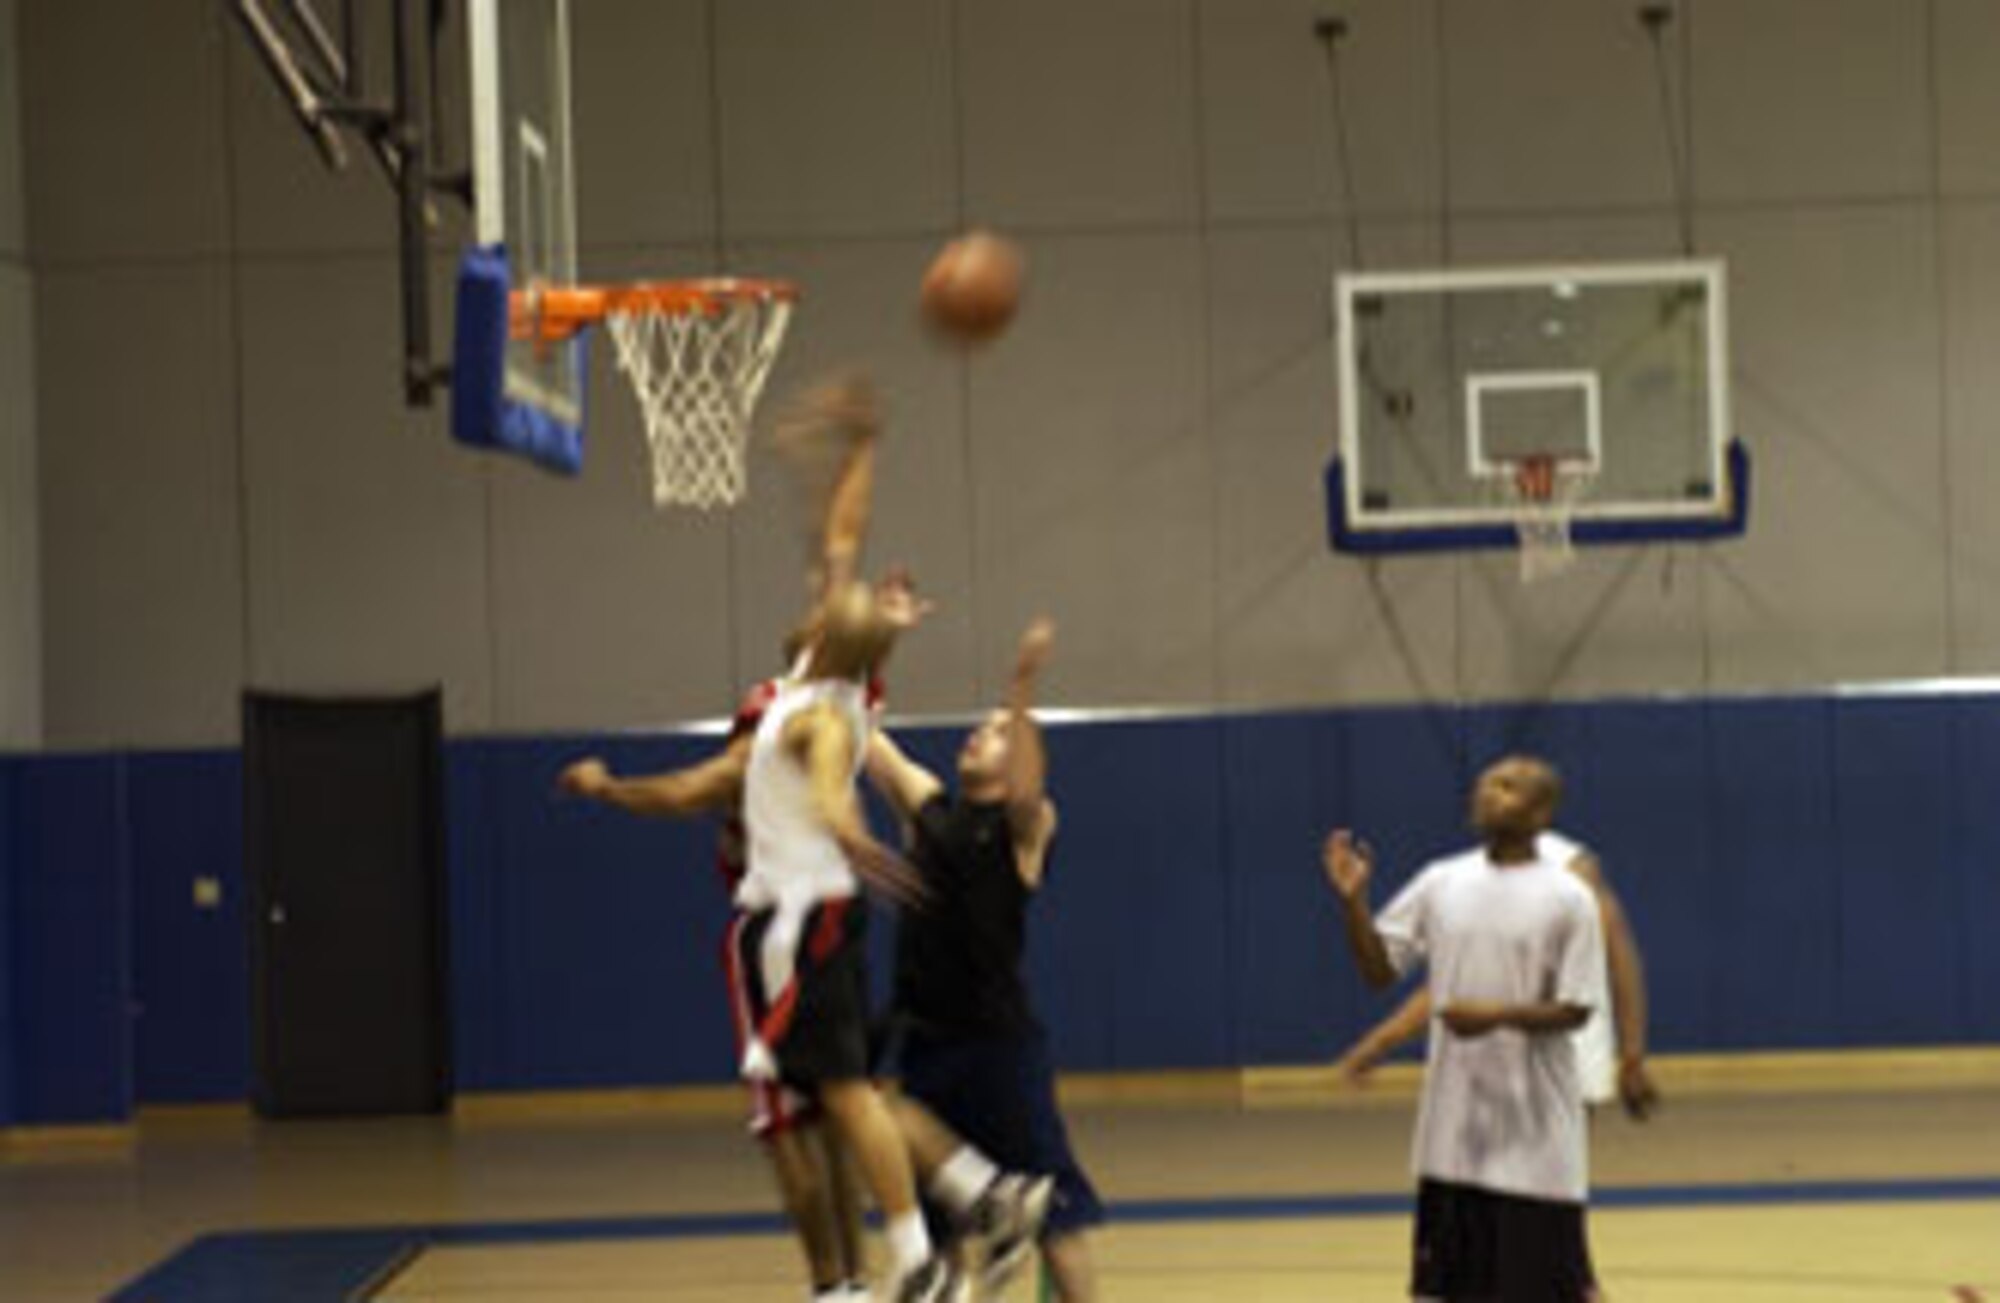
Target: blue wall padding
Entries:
(190, 971)
(609, 927)
(478, 1028)
(482, 416)
(1775, 916)
(72, 944)
(1894, 869)
(1802, 872)
(1287, 989)
(1641, 770)
(1152, 869)
(8, 769)
(1976, 792)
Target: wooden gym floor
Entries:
(1833, 1186)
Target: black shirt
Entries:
(958, 959)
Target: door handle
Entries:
(277, 916)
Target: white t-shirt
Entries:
(1597, 1040)
(1504, 1111)
(794, 860)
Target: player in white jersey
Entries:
(1610, 1048)
(804, 933)
(812, 1170)
(1515, 952)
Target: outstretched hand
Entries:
(1037, 641)
(1356, 1068)
(839, 412)
(588, 778)
(1349, 865)
(896, 598)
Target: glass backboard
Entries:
(1451, 381)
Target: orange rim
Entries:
(559, 313)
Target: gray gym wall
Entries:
(230, 490)
(20, 563)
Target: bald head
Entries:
(853, 632)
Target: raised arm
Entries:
(903, 783)
(848, 512)
(1027, 758)
(1628, 990)
(838, 421)
(714, 784)
(1348, 869)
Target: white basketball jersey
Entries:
(794, 859)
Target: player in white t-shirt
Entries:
(1515, 952)
(1610, 1048)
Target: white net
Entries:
(1543, 495)
(698, 374)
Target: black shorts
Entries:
(806, 995)
(775, 1108)
(999, 1095)
(1479, 1246)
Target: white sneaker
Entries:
(1010, 1216)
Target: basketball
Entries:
(973, 286)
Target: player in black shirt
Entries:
(972, 1051)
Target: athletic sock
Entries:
(961, 1179)
(909, 1243)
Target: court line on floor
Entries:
(339, 1263)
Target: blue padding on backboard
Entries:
(482, 416)
(1342, 536)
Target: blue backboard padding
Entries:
(1342, 535)
(482, 416)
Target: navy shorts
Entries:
(999, 1095)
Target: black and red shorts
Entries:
(799, 986)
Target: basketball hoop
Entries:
(1543, 492)
(697, 354)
